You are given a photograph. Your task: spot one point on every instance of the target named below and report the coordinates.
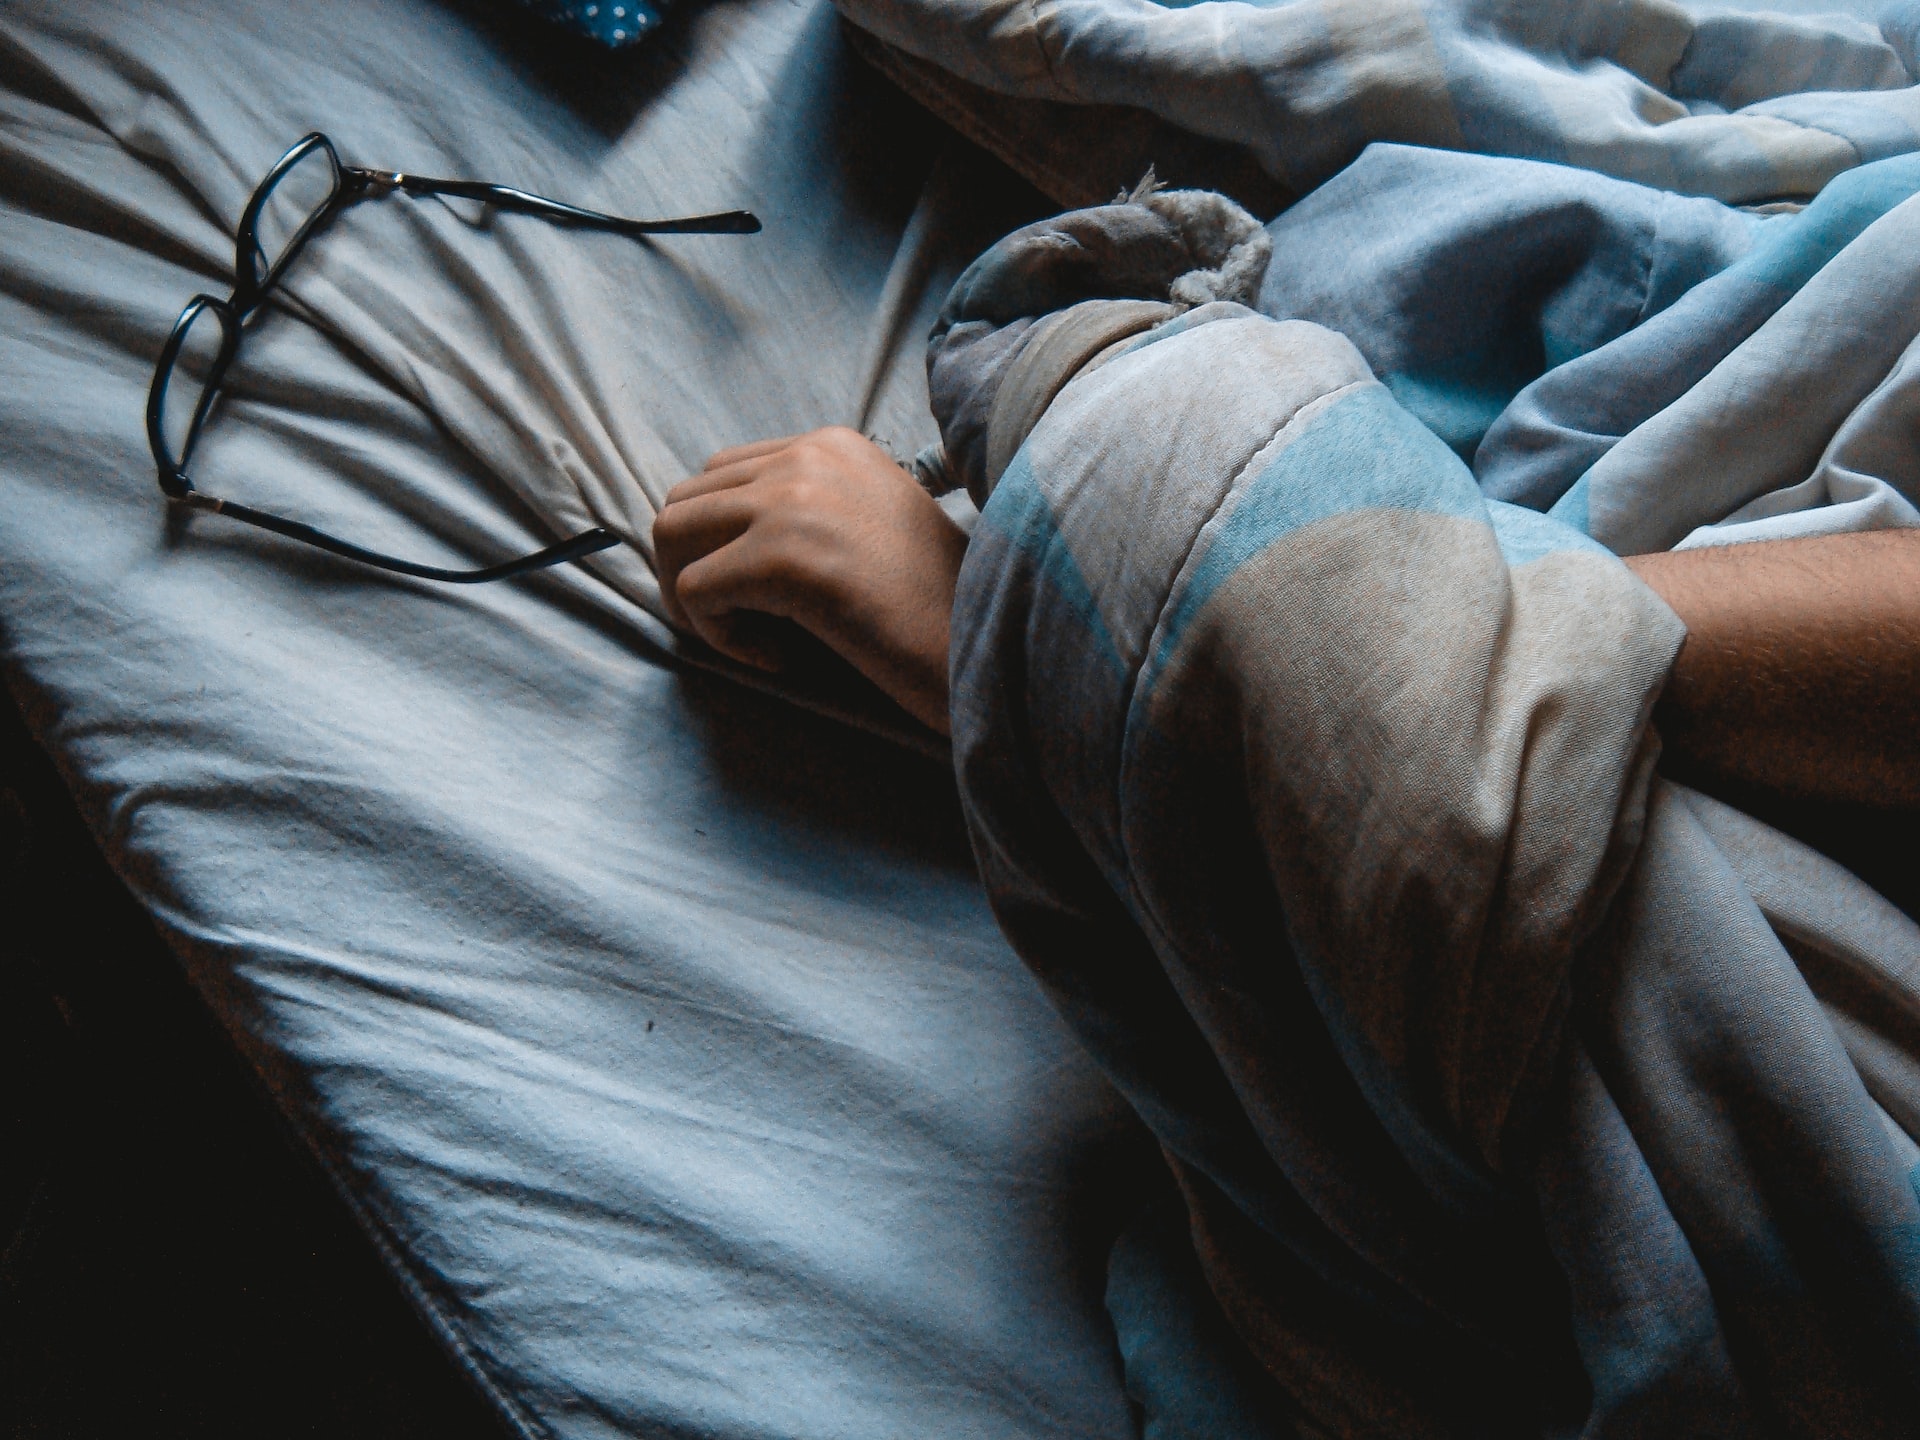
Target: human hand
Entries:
(824, 530)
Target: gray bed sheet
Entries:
(656, 1030)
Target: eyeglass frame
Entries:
(254, 278)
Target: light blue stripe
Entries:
(1571, 508)
(1788, 255)
(1018, 511)
(1526, 535)
(1361, 453)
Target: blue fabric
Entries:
(1533, 316)
(1191, 1376)
(1536, 313)
(613, 23)
(1463, 278)
(1561, 424)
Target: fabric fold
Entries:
(1318, 788)
(1739, 107)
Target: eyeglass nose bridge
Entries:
(173, 468)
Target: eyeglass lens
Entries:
(297, 200)
(186, 384)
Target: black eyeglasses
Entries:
(307, 187)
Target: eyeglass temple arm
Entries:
(505, 197)
(585, 543)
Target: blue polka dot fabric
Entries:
(613, 23)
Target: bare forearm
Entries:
(1800, 673)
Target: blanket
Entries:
(1742, 107)
(1580, 341)
(1513, 1088)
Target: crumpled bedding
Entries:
(1513, 1088)
(657, 1032)
(1738, 106)
(1581, 341)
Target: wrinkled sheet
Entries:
(1741, 107)
(1513, 1088)
(656, 1031)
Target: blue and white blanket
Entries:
(1300, 712)
(1738, 106)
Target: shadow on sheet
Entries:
(658, 1032)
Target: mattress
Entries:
(656, 1030)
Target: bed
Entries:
(650, 1022)
(655, 1031)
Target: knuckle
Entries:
(806, 485)
(804, 491)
